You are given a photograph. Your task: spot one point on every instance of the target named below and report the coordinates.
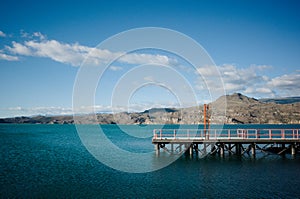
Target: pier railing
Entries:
(227, 134)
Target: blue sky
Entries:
(255, 45)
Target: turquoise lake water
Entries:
(46, 161)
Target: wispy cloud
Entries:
(287, 85)
(32, 111)
(115, 68)
(65, 53)
(2, 34)
(19, 49)
(251, 81)
(8, 57)
(22, 111)
(39, 35)
(247, 80)
(136, 58)
(37, 45)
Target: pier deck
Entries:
(233, 141)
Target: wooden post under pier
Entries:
(238, 150)
(253, 146)
(221, 149)
(213, 149)
(157, 150)
(293, 150)
(191, 150)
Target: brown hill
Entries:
(230, 109)
(242, 109)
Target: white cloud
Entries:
(261, 91)
(33, 111)
(2, 34)
(260, 67)
(249, 80)
(74, 54)
(17, 108)
(19, 49)
(22, 111)
(246, 80)
(286, 81)
(39, 35)
(252, 82)
(99, 109)
(8, 57)
(208, 71)
(265, 90)
(136, 58)
(233, 87)
(24, 34)
(149, 79)
(115, 68)
(60, 52)
(35, 35)
(286, 85)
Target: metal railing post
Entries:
(293, 134)
(228, 134)
(282, 133)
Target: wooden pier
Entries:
(202, 142)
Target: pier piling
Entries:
(157, 150)
(222, 149)
(253, 149)
(293, 150)
(191, 150)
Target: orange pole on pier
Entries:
(206, 119)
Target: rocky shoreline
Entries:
(240, 109)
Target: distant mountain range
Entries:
(239, 109)
(285, 100)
